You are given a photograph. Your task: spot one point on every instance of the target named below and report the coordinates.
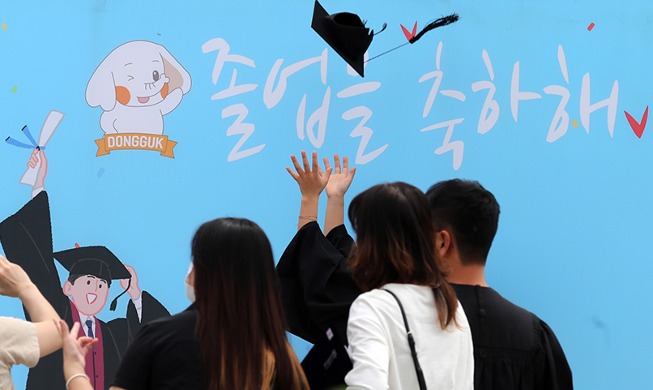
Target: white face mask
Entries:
(190, 290)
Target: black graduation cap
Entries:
(94, 260)
(346, 33)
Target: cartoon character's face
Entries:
(141, 79)
(136, 74)
(88, 293)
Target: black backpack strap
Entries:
(411, 344)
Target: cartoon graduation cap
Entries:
(97, 261)
(346, 33)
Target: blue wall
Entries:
(573, 180)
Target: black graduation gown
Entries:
(316, 285)
(27, 241)
(164, 355)
(513, 349)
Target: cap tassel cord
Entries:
(435, 24)
(432, 25)
(114, 303)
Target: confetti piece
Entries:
(100, 172)
(14, 89)
(590, 27)
(4, 26)
(409, 34)
(574, 123)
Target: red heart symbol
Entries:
(409, 35)
(638, 128)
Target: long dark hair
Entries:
(240, 318)
(395, 243)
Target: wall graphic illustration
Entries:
(136, 85)
(544, 103)
(26, 238)
(47, 130)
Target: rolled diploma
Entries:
(48, 128)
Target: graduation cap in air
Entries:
(97, 261)
(346, 33)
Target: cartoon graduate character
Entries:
(27, 239)
(136, 85)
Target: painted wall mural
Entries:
(546, 104)
(136, 85)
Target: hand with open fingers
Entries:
(13, 279)
(75, 348)
(340, 178)
(310, 178)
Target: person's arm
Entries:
(369, 350)
(14, 282)
(311, 180)
(151, 309)
(27, 240)
(38, 161)
(555, 373)
(465, 371)
(337, 186)
(316, 286)
(134, 291)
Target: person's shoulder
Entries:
(507, 307)
(520, 315)
(373, 298)
(10, 320)
(11, 325)
(487, 302)
(190, 314)
(368, 296)
(177, 321)
(384, 297)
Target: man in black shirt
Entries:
(513, 348)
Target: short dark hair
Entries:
(470, 212)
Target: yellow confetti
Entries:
(14, 89)
(4, 26)
(574, 123)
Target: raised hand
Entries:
(340, 178)
(39, 161)
(310, 178)
(134, 290)
(338, 185)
